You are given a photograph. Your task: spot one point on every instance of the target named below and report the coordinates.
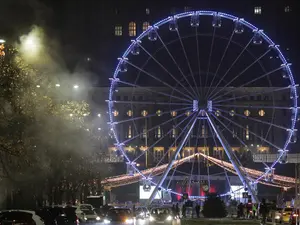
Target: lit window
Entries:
(247, 136)
(187, 9)
(231, 113)
(203, 131)
(115, 113)
(217, 113)
(144, 135)
(257, 10)
(261, 112)
(146, 25)
(159, 112)
(173, 113)
(118, 31)
(287, 9)
(132, 29)
(188, 113)
(129, 113)
(158, 153)
(234, 133)
(129, 135)
(147, 11)
(144, 113)
(247, 112)
(174, 132)
(159, 132)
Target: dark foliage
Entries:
(214, 207)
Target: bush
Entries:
(214, 207)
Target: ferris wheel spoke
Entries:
(188, 63)
(256, 120)
(240, 74)
(254, 106)
(227, 71)
(166, 70)
(253, 94)
(249, 82)
(222, 58)
(157, 79)
(161, 138)
(233, 134)
(198, 61)
(193, 163)
(174, 61)
(150, 90)
(150, 103)
(215, 142)
(251, 132)
(153, 128)
(150, 115)
(174, 142)
(209, 59)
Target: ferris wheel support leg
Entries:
(169, 167)
(232, 159)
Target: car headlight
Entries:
(97, 218)
(85, 218)
(129, 221)
(151, 218)
(106, 221)
(169, 218)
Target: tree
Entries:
(214, 207)
(45, 146)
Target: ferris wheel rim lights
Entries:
(233, 18)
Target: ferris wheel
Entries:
(202, 83)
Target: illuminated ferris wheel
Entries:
(201, 84)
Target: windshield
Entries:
(86, 207)
(288, 209)
(114, 212)
(88, 212)
(159, 211)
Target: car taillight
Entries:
(77, 220)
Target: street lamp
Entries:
(2, 41)
(75, 86)
(57, 85)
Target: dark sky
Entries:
(77, 40)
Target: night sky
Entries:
(79, 29)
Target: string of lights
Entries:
(278, 181)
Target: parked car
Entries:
(142, 213)
(80, 209)
(163, 215)
(90, 216)
(286, 215)
(119, 216)
(24, 217)
(278, 215)
(64, 215)
(294, 218)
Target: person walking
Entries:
(184, 211)
(263, 210)
(177, 209)
(197, 208)
(254, 209)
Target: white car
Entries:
(87, 213)
(20, 217)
